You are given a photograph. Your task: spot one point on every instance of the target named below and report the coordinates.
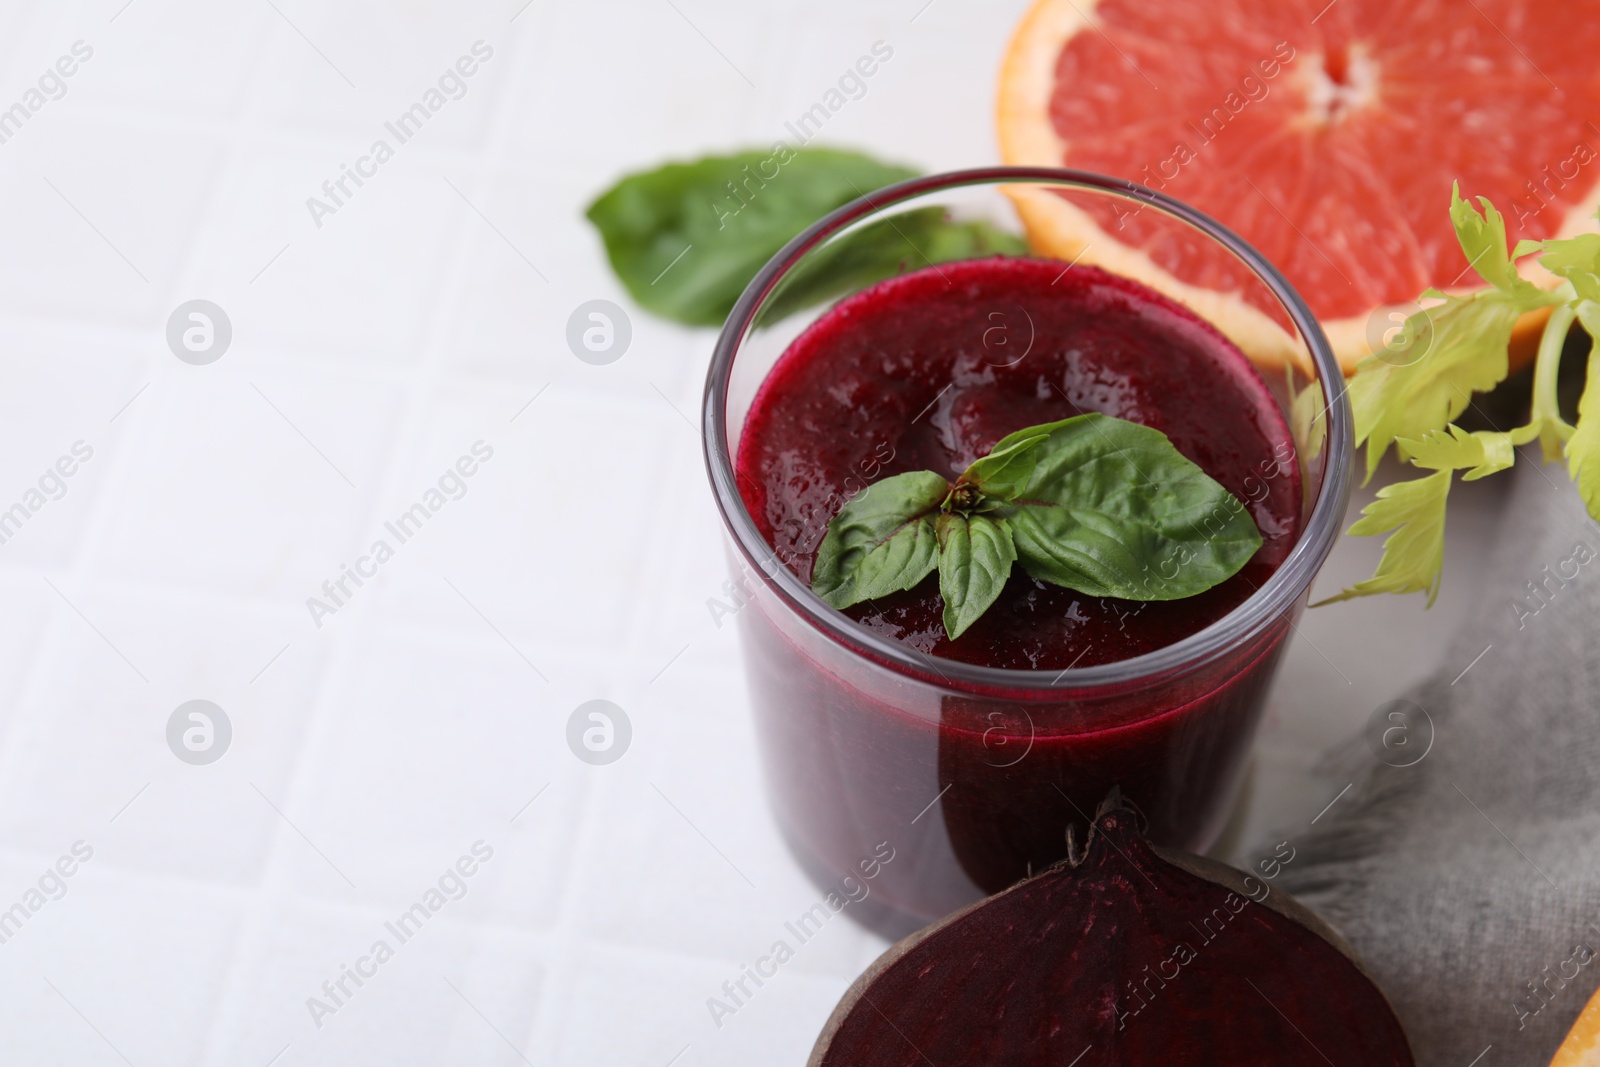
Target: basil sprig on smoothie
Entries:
(1097, 504)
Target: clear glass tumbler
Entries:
(972, 774)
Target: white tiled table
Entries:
(368, 354)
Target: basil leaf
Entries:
(883, 248)
(1113, 509)
(687, 237)
(882, 541)
(1006, 470)
(975, 557)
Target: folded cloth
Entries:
(1463, 865)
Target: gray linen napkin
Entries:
(1468, 880)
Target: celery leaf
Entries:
(1413, 556)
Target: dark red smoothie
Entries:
(927, 371)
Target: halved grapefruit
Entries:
(1326, 133)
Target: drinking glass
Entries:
(970, 776)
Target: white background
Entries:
(368, 355)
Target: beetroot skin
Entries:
(1125, 955)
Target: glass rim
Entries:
(1275, 597)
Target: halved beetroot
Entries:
(1125, 954)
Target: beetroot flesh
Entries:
(1128, 955)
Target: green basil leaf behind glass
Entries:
(686, 245)
(880, 250)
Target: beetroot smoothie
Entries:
(927, 371)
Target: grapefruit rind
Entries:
(1582, 1045)
(1063, 231)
